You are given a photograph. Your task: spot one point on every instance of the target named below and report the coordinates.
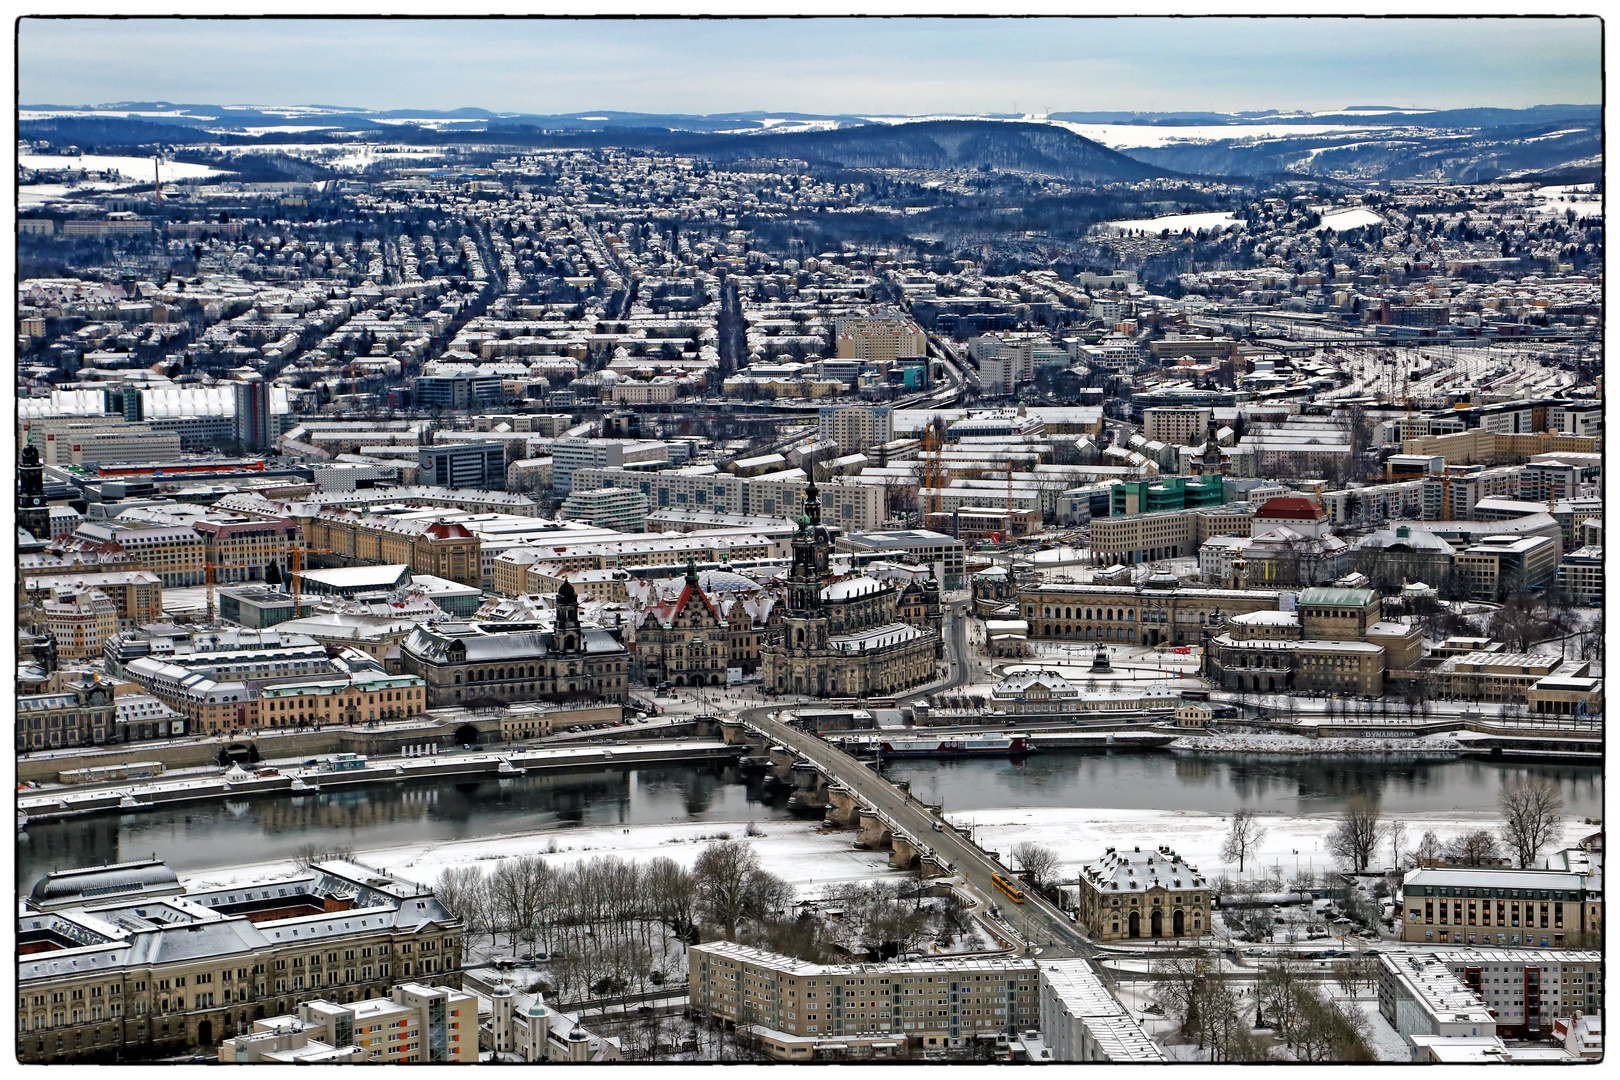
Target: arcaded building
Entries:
(842, 638)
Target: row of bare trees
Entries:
(1532, 809)
(609, 924)
(1309, 1023)
(1214, 1013)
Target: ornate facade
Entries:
(843, 638)
(466, 663)
(717, 621)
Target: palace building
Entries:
(842, 638)
(1132, 894)
(487, 662)
(716, 622)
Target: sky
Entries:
(898, 66)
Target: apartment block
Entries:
(879, 338)
(1082, 1021)
(855, 427)
(569, 455)
(1173, 534)
(698, 488)
(80, 619)
(1421, 998)
(457, 391)
(619, 509)
(137, 595)
(1529, 990)
(1176, 425)
(846, 505)
(443, 549)
(803, 1010)
(414, 1023)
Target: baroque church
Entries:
(842, 638)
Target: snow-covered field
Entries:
(1216, 219)
(1346, 220)
(809, 858)
(799, 852)
(136, 170)
(1133, 136)
(1580, 198)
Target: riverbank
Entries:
(800, 852)
(1425, 748)
(306, 779)
(1295, 842)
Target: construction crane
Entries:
(932, 479)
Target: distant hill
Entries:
(934, 144)
(947, 144)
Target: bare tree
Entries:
(1357, 974)
(1243, 837)
(674, 895)
(1397, 842)
(1533, 816)
(1429, 849)
(1477, 848)
(1357, 833)
(1037, 862)
(732, 887)
(308, 855)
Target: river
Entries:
(209, 835)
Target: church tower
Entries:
(812, 548)
(32, 513)
(567, 636)
(804, 581)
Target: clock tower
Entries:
(32, 513)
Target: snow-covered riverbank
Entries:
(1082, 836)
(800, 852)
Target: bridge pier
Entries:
(873, 832)
(782, 762)
(934, 866)
(844, 808)
(905, 852)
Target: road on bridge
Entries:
(1036, 921)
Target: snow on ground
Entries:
(1346, 220)
(1386, 1043)
(136, 170)
(799, 852)
(1083, 835)
(1134, 136)
(1580, 198)
(1216, 219)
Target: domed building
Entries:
(841, 638)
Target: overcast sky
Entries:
(894, 66)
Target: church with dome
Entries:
(841, 637)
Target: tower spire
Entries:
(812, 500)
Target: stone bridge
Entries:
(811, 790)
